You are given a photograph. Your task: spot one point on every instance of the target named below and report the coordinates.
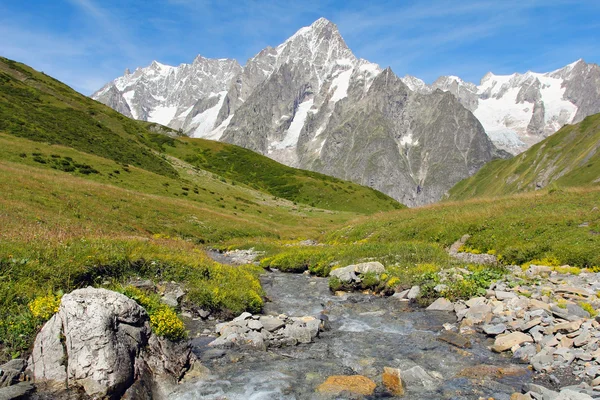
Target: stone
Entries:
(303, 330)
(525, 353)
(255, 325)
(441, 304)
(353, 384)
(494, 329)
(101, 341)
(574, 309)
(345, 274)
(440, 288)
(10, 373)
(502, 295)
(475, 301)
(401, 295)
(530, 324)
(505, 342)
(483, 371)
(596, 381)
(520, 396)
(20, 391)
(566, 327)
(172, 296)
(373, 267)
(413, 292)
(417, 376)
(480, 313)
(582, 339)
(454, 339)
(538, 389)
(392, 380)
(242, 317)
(538, 270)
(568, 394)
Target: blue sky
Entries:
(87, 43)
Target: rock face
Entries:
(101, 341)
(310, 103)
(188, 96)
(519, 110)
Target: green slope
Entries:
(35, 106)
(569, 158)
(262, 173)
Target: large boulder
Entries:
(101, 341)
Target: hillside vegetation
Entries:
(568, 158)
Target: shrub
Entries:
(166, 323)
(44, 307)
(163, 320)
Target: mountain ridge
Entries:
(290, 103)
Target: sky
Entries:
(87, 43)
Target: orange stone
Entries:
(355, 384)
(392, 381)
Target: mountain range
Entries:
(310, 103)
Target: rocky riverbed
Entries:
(368, 336)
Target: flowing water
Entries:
(367, 334)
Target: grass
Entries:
(569, 158)
(258, 172)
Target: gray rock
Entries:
(501, 295)
(304, 330)
(413, 293)
(255, 325)
(417, 376)
(401, 295)
(494, 329)
(242, 317)
(441, 304)
(20, 391)
(345, 274)
(568, 394)
(525, 353)
(271, 324)
(11, 371)
(373, 267)
(574, 309)
(107, 345)
(538, 389)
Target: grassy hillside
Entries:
(569, 158)
(35, 106)
(262, 173)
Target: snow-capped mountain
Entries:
(310, 103)
(173, 96)
(520, 110)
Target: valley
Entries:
(307, 226)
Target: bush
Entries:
(44, 307)
(163, 320)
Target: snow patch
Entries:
(205, 121)
(408, 140)
(128, 96)
(341, 84)
(162, 114)
(293, 132)
(218, 131)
